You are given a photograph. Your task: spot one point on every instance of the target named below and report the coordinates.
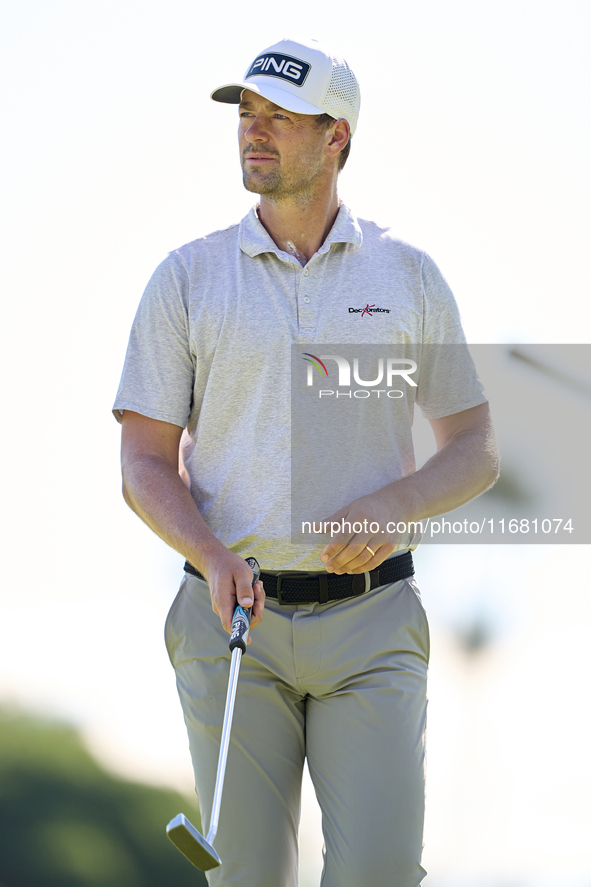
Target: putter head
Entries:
(187, 839)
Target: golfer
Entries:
(336, 671)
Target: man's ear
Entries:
(339, 135)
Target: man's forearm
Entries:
(155, 491)
(461, 470)
(153, 488)
(466, 464)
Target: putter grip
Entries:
(241, 620)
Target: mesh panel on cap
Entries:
(341, 95)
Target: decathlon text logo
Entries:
(283, 66)
(388, 368)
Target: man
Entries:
(337, 670)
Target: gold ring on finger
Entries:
(373, 554)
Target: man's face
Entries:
(282, 153)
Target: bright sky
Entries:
(474, 143)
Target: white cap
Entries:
(302, 77)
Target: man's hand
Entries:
(230, 583)
(349, 552)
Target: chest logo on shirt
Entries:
(369, 310)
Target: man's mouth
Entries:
(259, 156)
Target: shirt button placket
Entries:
(307, 313)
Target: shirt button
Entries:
(307, 299)
(305, 272)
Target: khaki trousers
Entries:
(343, 684)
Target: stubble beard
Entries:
(275, 185)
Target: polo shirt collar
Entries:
(255, 240)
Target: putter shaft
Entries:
(225, 743)
(199, 850)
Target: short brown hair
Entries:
(323, 121)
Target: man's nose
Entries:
(257, 131)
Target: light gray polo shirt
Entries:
(210, 351)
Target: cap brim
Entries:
(231, 92)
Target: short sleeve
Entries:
(448, 381)
(158, 373)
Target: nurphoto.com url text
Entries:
(429, 527)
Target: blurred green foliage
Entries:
(66, 822)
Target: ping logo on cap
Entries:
(283, 66)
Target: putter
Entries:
(182, 833)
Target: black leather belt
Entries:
(293, 587)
